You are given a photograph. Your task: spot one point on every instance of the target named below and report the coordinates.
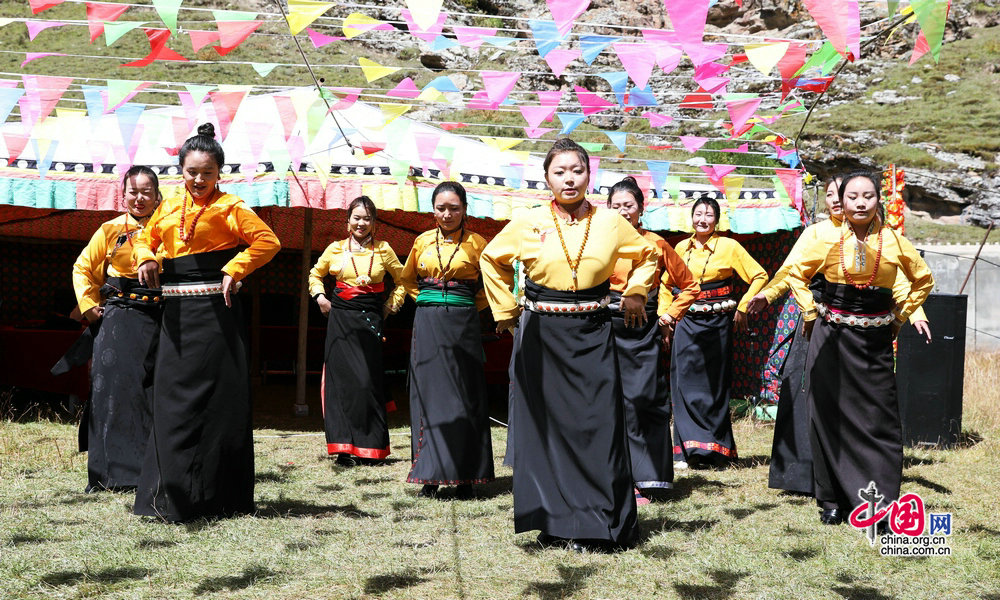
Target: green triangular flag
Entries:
(931, 15)
(167, 9)
(198, 92)
(893, 7)
(826, 58)
(116, 29)
(281, 160)
(592, 147)
(263, 69)
(234, 15)
(118, 89)
(314, 120)
(674, 187)
(400, 169)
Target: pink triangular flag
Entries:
(638, 61)
(200, 39)
(480, 101)
(595, 164)
(226, 104)
(701, 53)
(180, 127)
(472, 37)
(15, 145)
(591, 102)
(404, 89)
(30, 56)
(99, 150)
(664, 47)
(233, 33)
(741, 110)
(791, 179)
(549, 98)
(498, 84)
(693, 142)
(45, 91)
(741, 149)
(716, 173)
(688, 18)
(256, 140)
(286, 114)
(657, 120)
(98, 13)
(534, 115)
(346, 97)
(427, 34)
(559, 58)
(537, 132)
(426, 145)
(840, 22)
(296, 150)
(565, 11)
(920, 48)
(320, 39)
(36, 27)
(38, 6)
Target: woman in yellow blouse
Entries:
(700, 355)
(116, 422)
(199, 460)
(572, 476)
(449, 409)
(856, 436)
(354, 406)
(645, 385)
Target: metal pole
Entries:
(301, 408)
(974, 260)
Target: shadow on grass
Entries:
(330, 487)
(501, 486)
(937, 487)
(684, 486)
(372, 480)
(800, 554)
(24, 539)
(151, 544)
(247, 578)
(650, 526)
(278, 509)
(573, 580)
(860, 592)
(365, 497)
(660, 552)
(271, 477)
(107, 576)
(910, 460)
(724, 580)
(741, 513)
(979, 528)
(751, 462)
(386, 582)
(82, 498)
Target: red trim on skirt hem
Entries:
(450, 481)
(376, 453)
(710, 446)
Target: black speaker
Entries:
(930, 377)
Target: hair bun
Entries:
(630, 179)
(207, 130)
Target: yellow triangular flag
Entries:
(373, 70)
(425, 12)
(322, 165)
(733, 185)
(392, 111)
(302, 99)
(356, 23)
(501, 143)
(301, 13)
(71, 113)
(765, 56)
(430, 95)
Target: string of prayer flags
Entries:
(558, 59)
(591, 46)
(931, 15)
(157, 48)
(167, 11)
(98, 13)
(356, 24)
(840, 21)
(114, 31)
(30, 56)
(36, 27)
(546, 35)
(301, 13)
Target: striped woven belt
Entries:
(713, 307)
(195, 289)
(567, 307)
(832, 315)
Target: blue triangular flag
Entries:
(642, 97)
(95, 102)
(617, 138)
(8, 98)
(499, 41)
(128, 117)
(43, 163)
(570, 121)
(442, 84)
(658, 170)
(513, 175)
(618, 81)
(592, 45)
(546, 35)
(443, 43)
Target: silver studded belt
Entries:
(851, 320)
(713, 307)
(182, 290)
(567, 307)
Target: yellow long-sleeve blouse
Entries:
(719, 258)
(423, 259)
(108, 254)
(822, 255)
(336, 261)
(226, 223)
(670, 271)
(532, 238)
(780, 285)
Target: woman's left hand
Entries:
(740, 321)
(229, 287)
(924, 329)
(634, 307)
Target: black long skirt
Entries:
(354, 409)
(646, 394)
(699, 386)
(791, 455)
(121, 394)
(449, 408)
(856, 434)
(572, 473)
(199, 459)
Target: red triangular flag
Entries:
(450, 126)
(200, 39)
(286, 111)
(370, 148)
(98, 13)
(15, 145)
(38, 6)
(699, 99)
(234, 33)
(226, 104)
(44, 92)
(157, 48)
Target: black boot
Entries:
(428, 491)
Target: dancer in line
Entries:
(116, 421)
(645, 386)
(572, 476)
(354, 405)
(199, 459)
(700, 355)
(449, 408)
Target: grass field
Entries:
(322, 531)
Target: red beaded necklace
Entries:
(843, 265)
(573, 266)
(186, 234)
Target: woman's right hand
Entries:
(506, 324)
(324, 304)
(149, 274)
(756, 304)
(94, 314)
